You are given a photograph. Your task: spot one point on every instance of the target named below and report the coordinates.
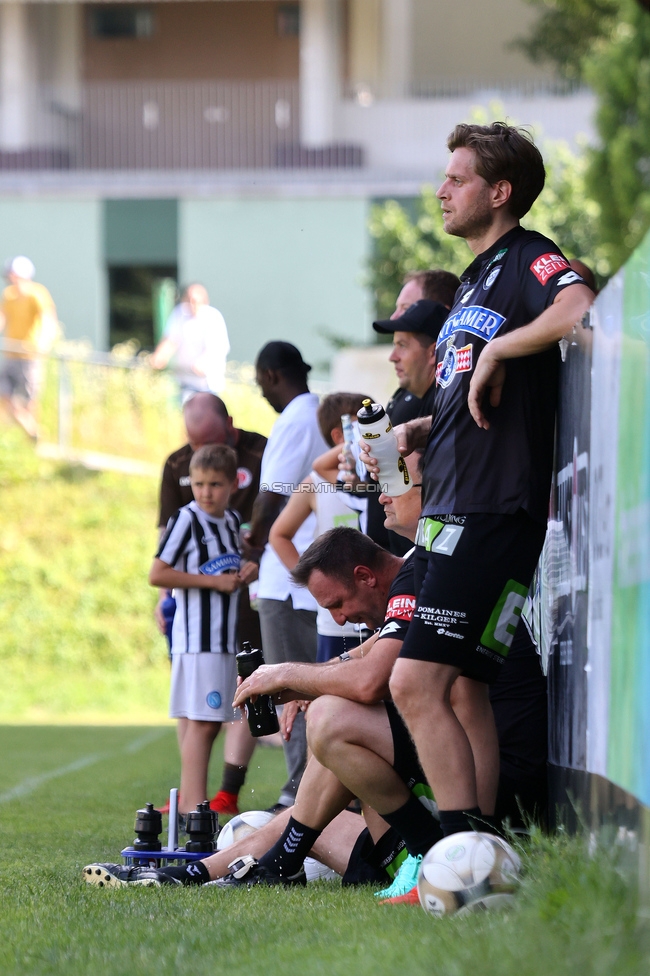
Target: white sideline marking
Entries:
(144, 740)
(33, 782)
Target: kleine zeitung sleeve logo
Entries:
(545, 266)
(400, 607)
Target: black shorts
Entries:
(379, 862)
(475, 571)
(405, 758)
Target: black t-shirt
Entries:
(427, 402)
(401, 603)
(508, 467)
(176, 491)
(403, 406)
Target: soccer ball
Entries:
(468, 872)
(241, 826)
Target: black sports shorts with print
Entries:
(474, 571)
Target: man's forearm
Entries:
(358, 679)
(266, 509)
(547, 329)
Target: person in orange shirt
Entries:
(28, 319)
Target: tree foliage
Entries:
(618, 177)
(413, 239)
(565, 32)
(406, 243)
(606, 43)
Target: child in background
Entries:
(332, 508)
(199, 558)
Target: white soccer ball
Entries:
(468, 872)
(241, 826)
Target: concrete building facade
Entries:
(241, 143)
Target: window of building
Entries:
(141, 298)
(288, 20)
(120, 20)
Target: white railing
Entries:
(168, 126)
(212, 126)
(113, 411)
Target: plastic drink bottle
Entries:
(347, 448)
(261, 714)
(377, 431)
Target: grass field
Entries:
(79, 646)
(78, 638)
(69, 795)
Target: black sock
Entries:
(372, 863)
(192, 873)
(288, 853)
(232, 778)
(488, 825)
(416, 825)
(456, 821)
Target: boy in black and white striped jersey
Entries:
(199, 558)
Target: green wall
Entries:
(63, 237)
(280, 269)
(140, 231)
(277, 269)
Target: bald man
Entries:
(207, 422)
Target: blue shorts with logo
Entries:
(472, 574)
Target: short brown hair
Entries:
(504, 152)
(336, 553)
(215, 457)
(332, 406)
(437, 285)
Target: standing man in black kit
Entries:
(487, 466)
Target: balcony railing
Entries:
(169, 126)
(212, 126)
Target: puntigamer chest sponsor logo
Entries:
(481, 322)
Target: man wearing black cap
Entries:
(415, 330)
(414, 349)
(435, 285)
(287, 612)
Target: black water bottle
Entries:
(202, 826)
(261, 714)
(148, 826)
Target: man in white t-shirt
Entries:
(196, 342)
(287, 612)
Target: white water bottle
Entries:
(377, 431)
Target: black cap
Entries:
(281, 355)
(425, 317)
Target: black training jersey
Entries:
(403, 406)
(401, 603)
(508, 467)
